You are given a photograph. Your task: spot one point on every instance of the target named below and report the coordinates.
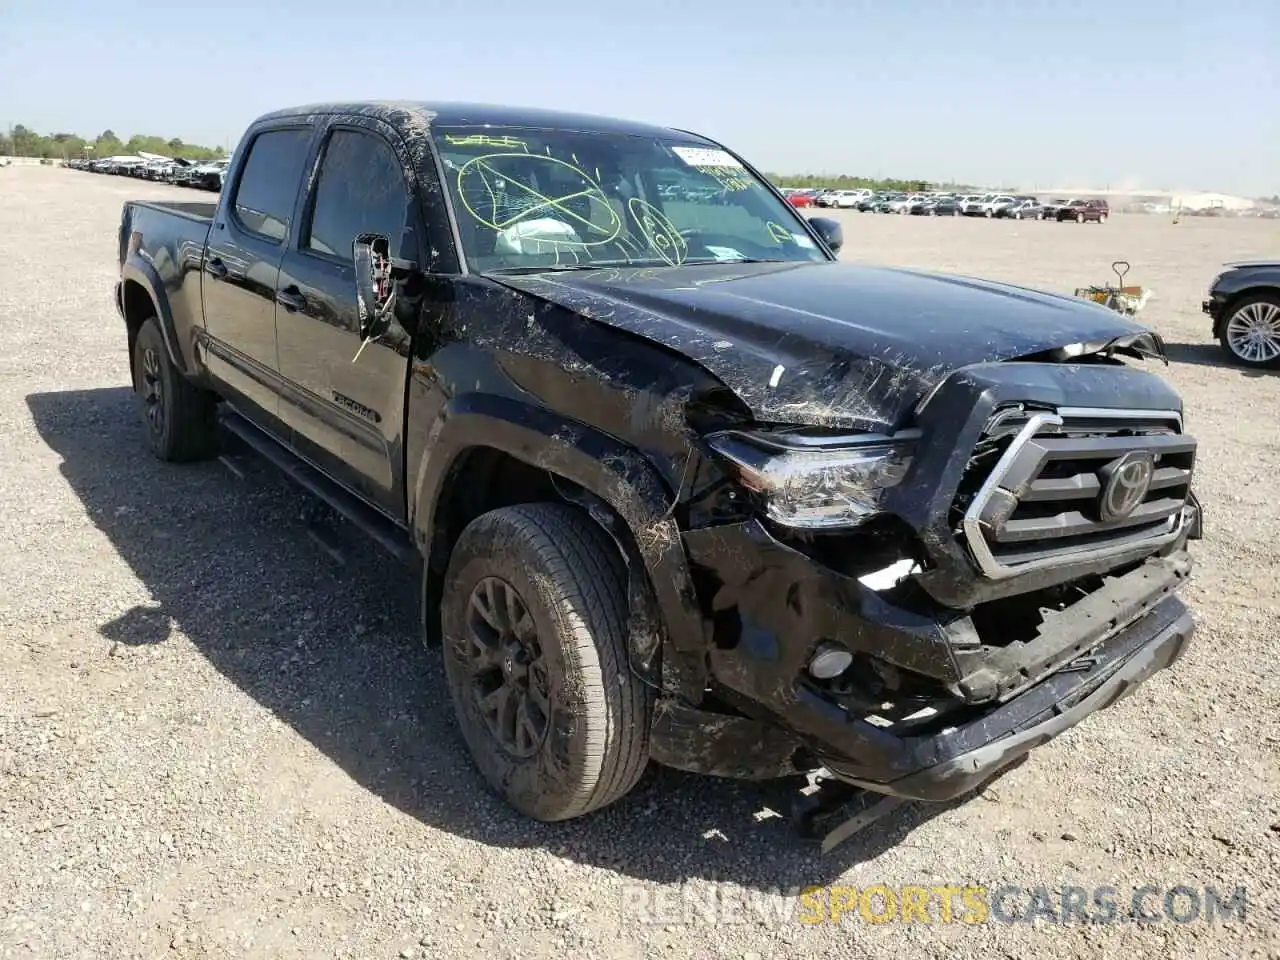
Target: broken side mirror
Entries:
(830, 231)
(377, 276)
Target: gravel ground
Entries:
(215, 741)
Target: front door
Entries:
(343, 399)
(242, 267)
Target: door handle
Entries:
(291, 299)
(215, 268)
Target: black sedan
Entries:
(1244, 302)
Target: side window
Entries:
(269, 183)
(361, 189)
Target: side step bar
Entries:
(388, 535)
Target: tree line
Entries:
(22, 141)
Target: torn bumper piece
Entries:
(952, 763)
(770, 607)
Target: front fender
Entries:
(145, 275)
(597, 463)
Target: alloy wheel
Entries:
(1253, 332)
(152, 389)
(508, 671)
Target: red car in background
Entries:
(800, 198)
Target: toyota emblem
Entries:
(1126, 485)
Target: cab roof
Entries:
(416, 117)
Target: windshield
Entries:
(535, 198)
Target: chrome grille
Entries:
(1042, 502)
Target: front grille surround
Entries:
(1033, 510)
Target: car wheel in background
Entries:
(1079, 218)
(1251, 335)
(1102, 218)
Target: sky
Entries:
(1152, 94)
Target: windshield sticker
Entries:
(706, 157)
(725, 253)
(492, 191)
(729, 178)
(659, 231)
(484, 140)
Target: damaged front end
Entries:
(915, 612)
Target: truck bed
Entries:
(202, 212)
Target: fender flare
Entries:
(139, 271)
(608, 471)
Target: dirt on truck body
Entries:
(683, 487)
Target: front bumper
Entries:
(773, 605)
(951, 764)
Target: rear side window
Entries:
(269, 183)
(361, 190)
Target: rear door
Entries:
(242, 266)
(347, 413)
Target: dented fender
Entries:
(602, 467)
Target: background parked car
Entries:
(1084, 211)
(1050, 208)
(841, 198)
(994, 202)
(947, 207)
(1023, 208)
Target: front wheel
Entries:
(1251, 335)
(1079, 218)
(534, 611)
(1102, 218)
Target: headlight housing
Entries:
(817, 482)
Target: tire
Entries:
(1079, 218)
(571, 642)
(955, 212)
(1017, 214)
(1102, 218)
(179, 417)
(990, 214)
(1256, 309)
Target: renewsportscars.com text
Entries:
(694, 904)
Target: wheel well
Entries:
(483, 479)
(138, 308)
(1233, 301)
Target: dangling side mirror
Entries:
(375, 286)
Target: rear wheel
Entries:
(1079, 218)
(179, 416)
(535, 648)
(1102, 218)
(1251, 335)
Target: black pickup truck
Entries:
(682, 486)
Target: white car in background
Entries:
(904, 204)
(994, 201)
(846, 198)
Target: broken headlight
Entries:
(816, 482)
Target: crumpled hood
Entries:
(827, 344)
